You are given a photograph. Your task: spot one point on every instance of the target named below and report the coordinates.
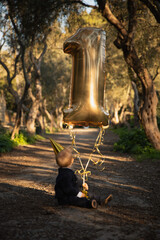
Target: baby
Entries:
(66, 187)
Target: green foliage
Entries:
(81, 19)
(54, 129)
(23, 138)
(6, 144)
(32, 18)
(151, 155)
(4, 131)
(134, 141)
(56, 71)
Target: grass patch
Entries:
(134, 142)
(23, 138)
(6, 144)
(152, 155)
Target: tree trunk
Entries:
(49, 116)
(124, 113)
(148, 114)
(17, 121)
(18, 99)
(51, 124)
(148, 109)
(60, 120)
(37, 99)
(32, 117)
(136, 105)
(116, 117)
(124, 41)
(59, 117)
(116, 108)
(41, 121)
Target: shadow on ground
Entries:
(29, 211)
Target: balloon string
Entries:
(82, 171)
(99, 141)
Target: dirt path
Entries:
(28, 210)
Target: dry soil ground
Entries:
(28, 210)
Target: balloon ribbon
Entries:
(99, 141)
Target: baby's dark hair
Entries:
(64, 157)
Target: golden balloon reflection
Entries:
(87, 47)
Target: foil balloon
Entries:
(87, 47)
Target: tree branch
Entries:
(156, 74)
(114, 21)
(30, 94)
(33, 59)
(154, 8)
(132, 15)
(132, 20)
(37, 61)
(15, 27)
(24, 68)
(84, 4)
(43, 52)
(15, 67)
(6, 68)
(9, 78)
(122, 32)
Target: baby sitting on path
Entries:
(66, 187)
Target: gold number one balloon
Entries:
(87, 47)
